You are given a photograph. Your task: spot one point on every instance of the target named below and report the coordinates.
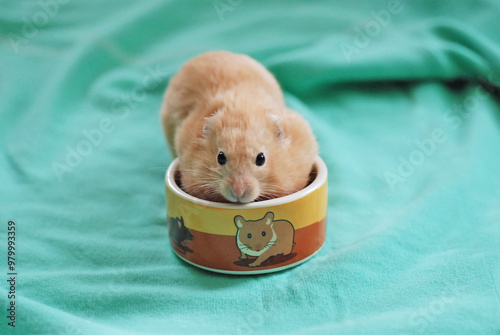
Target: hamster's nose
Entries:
(240, 190)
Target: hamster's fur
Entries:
(221, 102)
(263, 238)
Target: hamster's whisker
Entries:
(273, 192)
(298, 178)
(273, 186)
(204, 176)
(205, 182)
(207, 188)
(271, 189)
(215, 170)
(263, 197)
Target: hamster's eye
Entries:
(260, 159)
(221, 158)
(249, 235)
(263, 233)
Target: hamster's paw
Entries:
(243, 257)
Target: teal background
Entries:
(406, 113)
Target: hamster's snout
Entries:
(240, 189)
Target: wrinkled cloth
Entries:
(403, 97)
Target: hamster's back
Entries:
(219, 71)
(211, 76)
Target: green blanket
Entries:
(403, 97)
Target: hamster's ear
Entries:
(210, 120)
(238, 221)
(269, 217)
(207, 125)
(280, 133)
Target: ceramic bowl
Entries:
(253, 238)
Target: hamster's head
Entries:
(241, 146)
(255, 235)
(248, 154)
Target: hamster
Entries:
(263, 238)
(225, 118)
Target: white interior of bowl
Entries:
(319, 169)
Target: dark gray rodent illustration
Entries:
(179, 234)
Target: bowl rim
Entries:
(319, 181)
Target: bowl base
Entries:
(253, 272)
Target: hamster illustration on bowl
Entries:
(263, 238)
